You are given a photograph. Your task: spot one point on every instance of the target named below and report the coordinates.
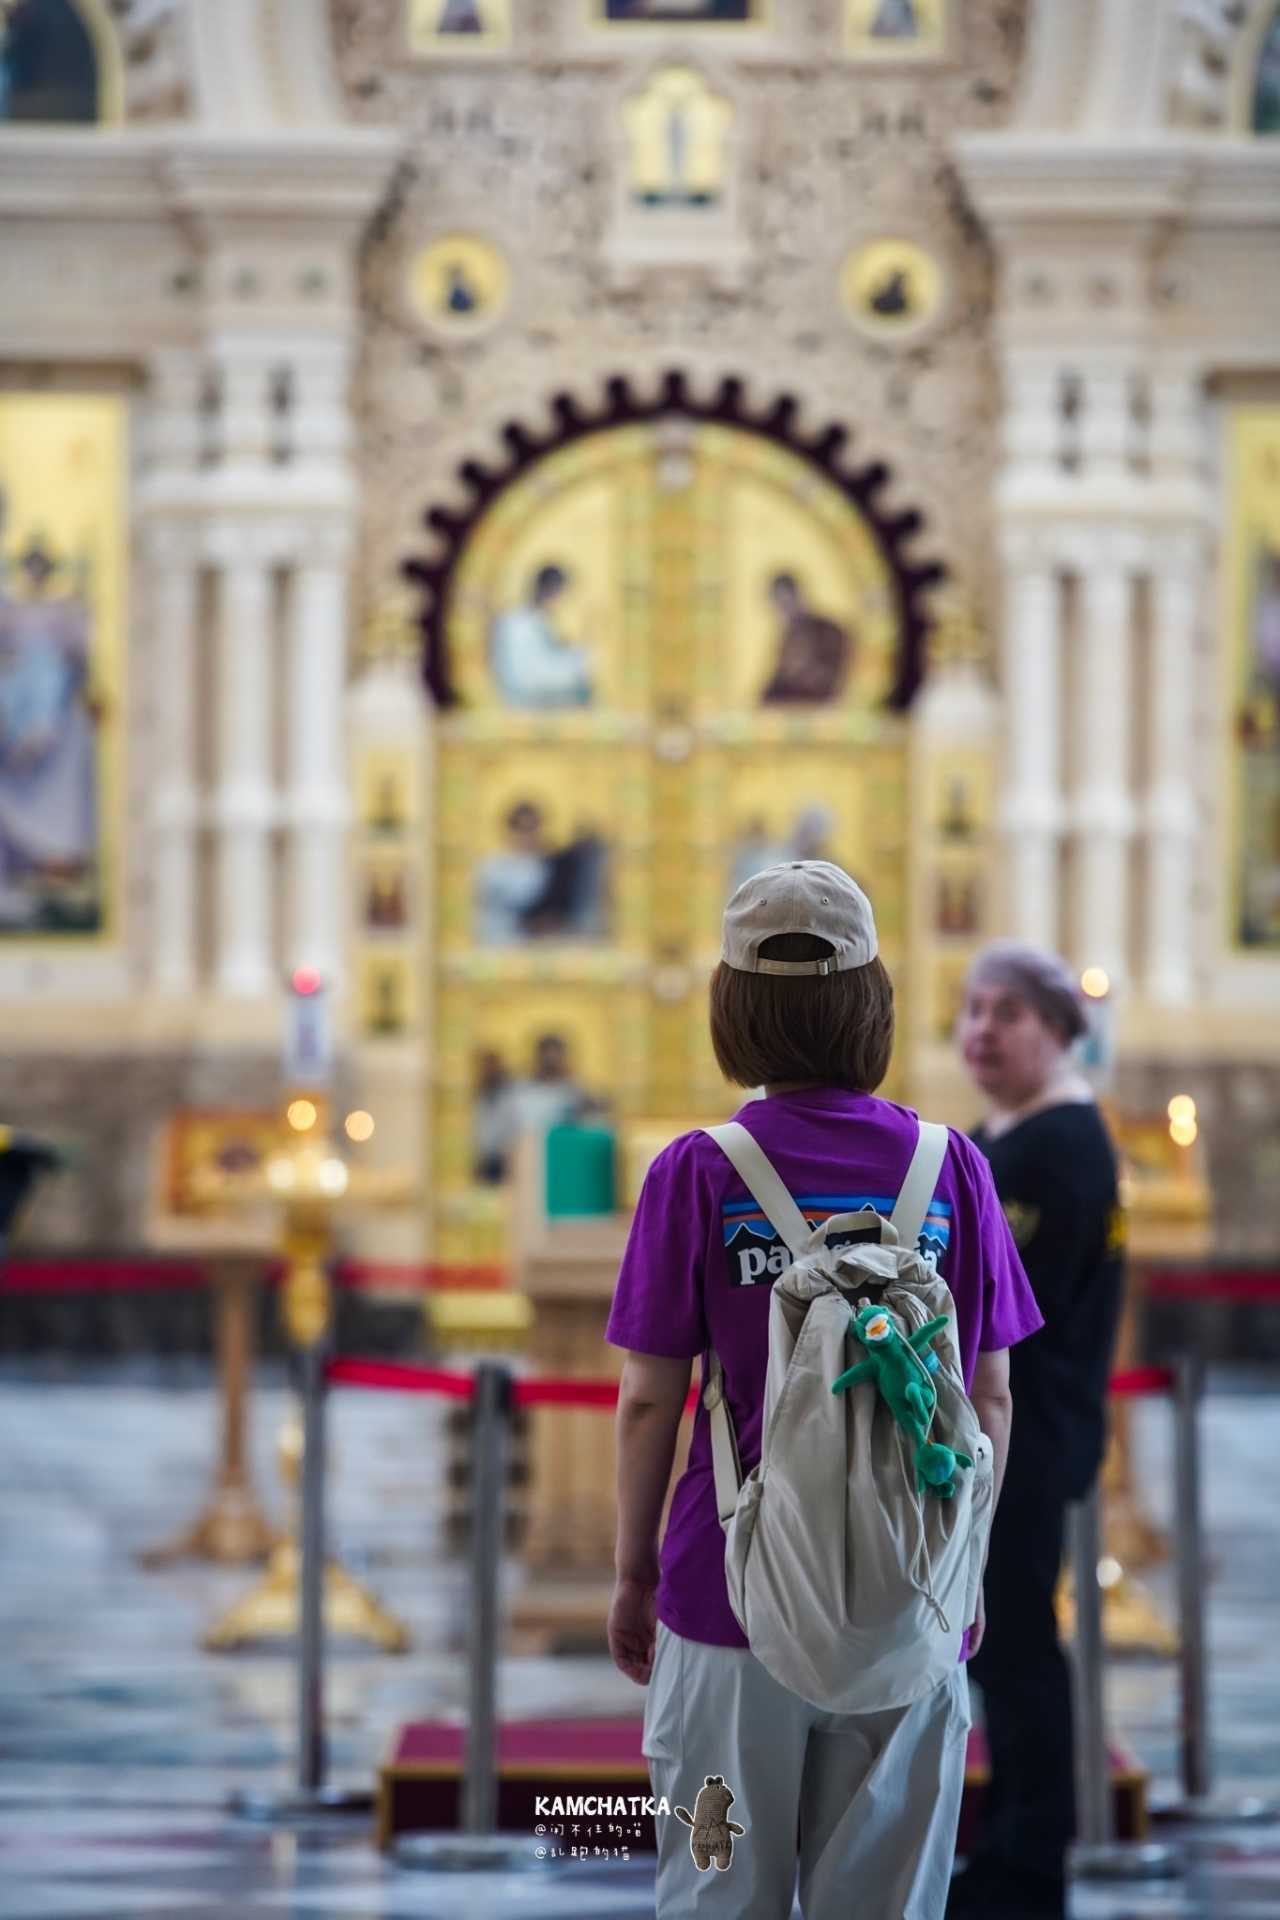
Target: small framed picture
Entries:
(678, 13)
(458, 29)
(892, 288)
(458, 284)
(386, 994)
(889, 30)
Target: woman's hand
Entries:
(633, 1626)
(979, 1626)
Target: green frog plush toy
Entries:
(901, 1369)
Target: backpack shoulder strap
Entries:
(762, 1181)
(765, 1185)
(725, 1464)
(918, 1187)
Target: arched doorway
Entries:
(667, 650)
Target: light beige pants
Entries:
(864, 1807)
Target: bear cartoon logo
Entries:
(713, 1831)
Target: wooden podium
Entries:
(230, 1527)
(567, 1268)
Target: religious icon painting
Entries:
(384, 783)
(956, 819)
(459, 284)
(892, 288)
(448, 29)
(677, 134)
(1252, 667)
(386, 994)
(385, 895)
(947, 981)
(1263, 113)
(896, 29)
(545, 876)
(678, 13)
(957, 905)
(63, 562)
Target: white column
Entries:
(173, 798)
(1106, 421)
(1169, 813)
(243, 803)
(169, 513)
(316, 807)
(1102, 810)
(1031, 810)
(1032, 428)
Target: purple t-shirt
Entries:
(701, 1259)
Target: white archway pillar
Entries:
(1102, 805)
(1031, 813)
(175, 581)
(168, 509)
(1169, 810)
(316, 808)
(244, 807)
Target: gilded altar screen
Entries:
(673, 646)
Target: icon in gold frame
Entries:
(892, 288)
(457, 29)
(459, 284)
(891, 30)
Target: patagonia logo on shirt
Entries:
(755, 1254)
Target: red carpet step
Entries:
(418, 1783)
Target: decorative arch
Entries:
(82, 40)
(863, 486)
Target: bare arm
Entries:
(993, 1404)
(651, 1399)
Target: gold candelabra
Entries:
(308, 1182)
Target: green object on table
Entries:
(580, 1170)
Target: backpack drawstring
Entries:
(918, 1501)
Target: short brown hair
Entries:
(835, 1029)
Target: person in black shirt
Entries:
(1055, 1172)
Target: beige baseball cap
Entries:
(800, 896)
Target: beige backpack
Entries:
(853, 1588)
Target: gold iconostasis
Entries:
(673, 647)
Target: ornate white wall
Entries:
(1109, 241)
(1136, 231)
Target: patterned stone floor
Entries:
(119, 1739)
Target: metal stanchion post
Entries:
(1093, 1782)
(476, 1846)
(1197, 1803)
(488, 1475)
(311, 1744)
(311, 1797)
(1097, 1854)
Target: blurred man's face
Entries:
(553, 1059)
(1009, 1050)
(526, 827)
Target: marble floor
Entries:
(120, 1739)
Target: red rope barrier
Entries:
(144, 1275)
(416, 1276)
(98, 1276)
(394, 1377)
(1140, 1380)
(55, 1275)
(1226, 1284)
